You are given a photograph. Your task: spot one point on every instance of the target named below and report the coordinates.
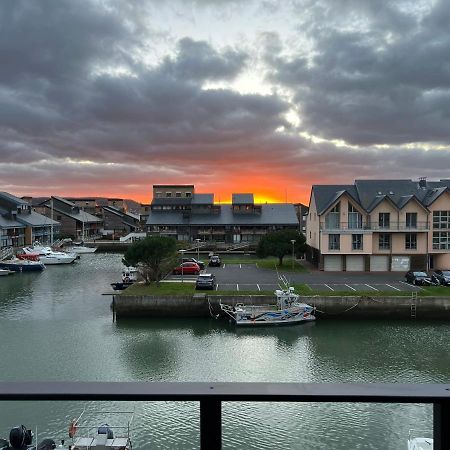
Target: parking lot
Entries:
(249, 277)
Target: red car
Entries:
(187, 268)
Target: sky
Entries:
(107, 98)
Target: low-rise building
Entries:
(118, 222)
(180, 212)
(75, 222)
(20, 225)
(380, 225)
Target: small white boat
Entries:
(420, 440)
(129, 276)
(81, 248)
(287, 311)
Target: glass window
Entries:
(357, 241)
(411, 220)
(411, 241)
(441, 219)
(354, 217)
(384, 241)
(383, 220)
(168, 194)
(177, 194)
(334, 242)
(332, 219)
(441, 241)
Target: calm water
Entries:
(56, 325)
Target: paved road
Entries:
(249, 277)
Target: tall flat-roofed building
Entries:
(188, 215)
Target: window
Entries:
(383, 220)
(357, 241)
(411, 220)
(411, 241)
(188, 194)
(354, 218)
(177, 194)
(334, 242)
(168, 194)
(332, 219)
(159, 194)
(441, 219)
(384, 241)
(441, 241)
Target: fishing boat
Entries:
(82, 435)
(129, 276)
(288, 310)
(21, 265)
(420, 440)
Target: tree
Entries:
(278, 244)
(153, 256)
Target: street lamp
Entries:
(293, 245)
(182, 271)
(198, 249)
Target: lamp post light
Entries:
(198, 248)
(182, 271)
(293, 245)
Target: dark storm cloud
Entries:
(198, 61)
(380, 82)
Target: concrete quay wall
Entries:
(202, 305)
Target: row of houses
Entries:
(380, 225)
(371, 225)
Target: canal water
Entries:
(57, 325)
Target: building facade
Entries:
(75, 222)
(380, 225)
(20, 225)
(180, 212)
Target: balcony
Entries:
(211, 395)
(371, 227)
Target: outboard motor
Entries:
(20, 438)
(104, 429)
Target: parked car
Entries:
(215, 261)
(441, 277)
(205, 281)
(200, 264)
(187, 268)
(418, 278)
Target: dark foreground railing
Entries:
(211, 396)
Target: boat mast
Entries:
(51, 223)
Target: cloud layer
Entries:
(109, 99)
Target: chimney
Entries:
(423, 182)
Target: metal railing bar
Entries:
(196, 391)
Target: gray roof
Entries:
(12, 199)
(81, 216)
(271, 214)
(325, 195)
(369, 193)
(242, 199)
(6, 223)
(203, 199)
(35, 219)
(127, 217)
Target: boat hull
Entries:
(19, 267)
(252, 317)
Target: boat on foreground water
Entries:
(82, 436)
(6, 272)
(288, 310)
(419, 440)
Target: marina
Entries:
(56, 326)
